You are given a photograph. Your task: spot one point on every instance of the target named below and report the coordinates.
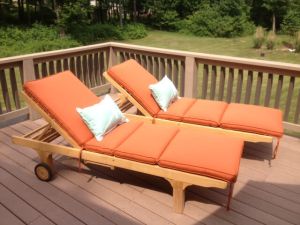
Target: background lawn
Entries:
(239, 47)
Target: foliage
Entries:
(271, 40)
(297, 41)
(134, 31)
(259, 38)
(291, 22)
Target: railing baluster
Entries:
(51, 68)
(258, 88)
(150, 64)
(85, 72)
(79, 68)
(36, 71)
(162, 68)
(91, 70)
(5, 92)
(230, 84)
(122, 57)
(144, 61)
(213, 83)
(138, 58)
(65, 64)
(176, 73)
(239, 86)
(222, 84)
(296, 119)
(102, 67)
(72, 65)
(58, 66)
(269, 90)
(289, 98)
(182, 77)
(156, 68)
(169, 69)
(249, 87)
(14, 87)
(278, 91)
(204, 81)
(97, 69)
(44, 70)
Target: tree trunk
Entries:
(134, 11)
(28, 12)
(274, 23)
(121, 13)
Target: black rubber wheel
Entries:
(43, 172)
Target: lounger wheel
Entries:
(43, 172)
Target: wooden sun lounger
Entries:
(41, 138)
(246, 136)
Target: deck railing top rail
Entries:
(231, 79)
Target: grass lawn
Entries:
(239, 47)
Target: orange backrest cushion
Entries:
(136, 80)
(59, 95)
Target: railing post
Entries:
(112, 60)
(190, 77)
(28, 75)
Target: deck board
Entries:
(267, 191)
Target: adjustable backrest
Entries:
(59, 95)
(136, 80)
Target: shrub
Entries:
(134, 31)
(297, 41)
(291, 22)
(271, 40)
(259, 37)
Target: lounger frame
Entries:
(41, 138)
(246, 136)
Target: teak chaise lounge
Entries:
(182, 156)
(250, 122)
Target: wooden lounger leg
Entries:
(178, 195)
(276, 148)
(231, 186)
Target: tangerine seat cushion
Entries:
(252, 118)
(205, 112)
(136, 80)
(113, 139)
(207, 154)
(177, 109)
(147, 143)
(59, 95)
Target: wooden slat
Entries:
(176, 73)
(51, 68)
(258, 88)
(66, 64)
(230, 84)
(296, 118)
(204, 81)
(97, 69)
(150, 64)
(14, 88)
(239, 86)
(7, 218)
(91, 70)
(72, 65)
(182, 77)
(85, 73)
(278, 91)
(156, 68)
(169, 69)
(162, 68)
(268, 90)
(127, 55)
(249, 87)
(58, 66)
(102, 67)
(213, 83)
(122, 57)
(79, 68)
(222, 84)
(289, 98)
(5, 92)
(36, 71)
(138, 58)
(144, 61)
(44, 69)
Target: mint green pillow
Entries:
(164, 92)
(102, 117)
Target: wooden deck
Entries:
(267, 192)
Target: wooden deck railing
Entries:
(205, 76)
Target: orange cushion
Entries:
(177, 109)
(207, 154)
(147, 143)
(113, 139)
(59, 95)
(205, 112)
(136, 80)
(252, 118)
